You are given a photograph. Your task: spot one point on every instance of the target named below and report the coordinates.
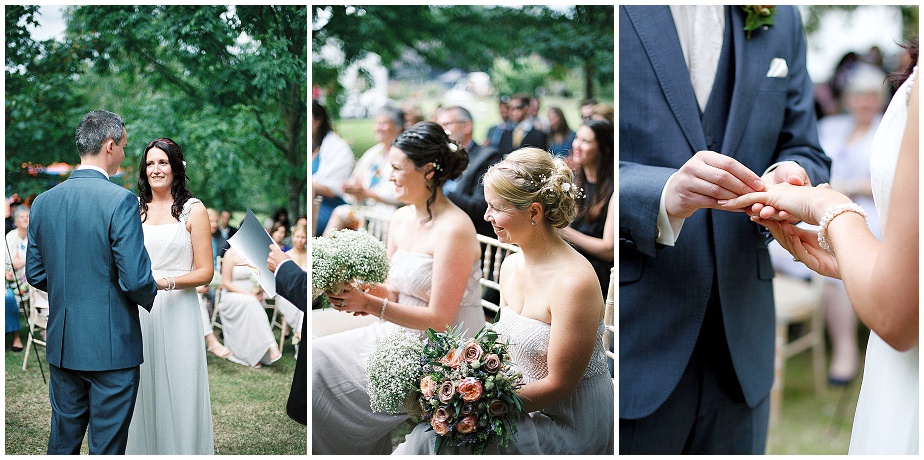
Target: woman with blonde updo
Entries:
(554, 332)
(433, 282)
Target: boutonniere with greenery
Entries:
(758, 16)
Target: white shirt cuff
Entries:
(668, 227)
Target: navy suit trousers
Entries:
(102, 400)
(706, 413)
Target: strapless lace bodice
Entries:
(529, 345)
(412, 274)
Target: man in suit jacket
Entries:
(696, 316)
(292, 283)
(522, 133)
(86, 249)
(467, 192)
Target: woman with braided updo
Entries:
(551, 313)
(433, 282)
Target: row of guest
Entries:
(592, 156)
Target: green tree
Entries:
(227, 83)
(41, 104)
(469, 38)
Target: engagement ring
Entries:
(796, 259)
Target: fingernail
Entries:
(722, 202)
(758, 185)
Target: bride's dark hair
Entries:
(427, 142)
(899, 76)
(178, 189)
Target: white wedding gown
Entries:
(342, 421)
(173, 414)
(887, 417)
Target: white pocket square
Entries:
(778, 68)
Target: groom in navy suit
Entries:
(86, 249)
(702, 105)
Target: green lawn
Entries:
(358, 132)
(248, 407)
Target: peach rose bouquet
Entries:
(464, 389)
(467, 391)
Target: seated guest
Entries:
(523, 133)
(592, 232)
(560, 134)
(494, 133)
(331, 164)
(467, 192)
(369, 186)
(246, 329)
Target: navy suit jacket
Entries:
(469, 193)
(663, 291)
(292, 283)
(533, 138)
(86, 249)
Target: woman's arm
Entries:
(571, 344)
(601, 248)
(882, 280)
(453, 259)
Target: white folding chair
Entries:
(608, 321)
(217, 288)
(797, 301)
(494, 253)
(36, 324)
(375, 223)
(315, 209)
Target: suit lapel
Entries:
(751, 65)
(656, 31)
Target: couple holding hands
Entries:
(124, 322)
(696, 299)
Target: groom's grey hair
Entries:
(95, 128)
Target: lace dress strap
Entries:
(184, 215)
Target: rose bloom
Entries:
(492, 363)
(472, 352)
(427, 386)
(470, 389)
(441, 414)
(496, 408)
(468, 409)
(447, 391)
(467, 425)
(453, 359)
(441, 428)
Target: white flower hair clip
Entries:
(453, 147)
(566, 187)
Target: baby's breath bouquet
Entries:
(465, 390)
(347, 256)
(393, 370)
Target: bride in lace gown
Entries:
(433, 282)
(881, 278)
(172, 412)
(555, 329)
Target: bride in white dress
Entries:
(172, 414)
(881, 278)
(555, 328)
(433, 282)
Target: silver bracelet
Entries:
(384, 306)
(833, 212)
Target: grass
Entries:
(248, 407)
(811, 424)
